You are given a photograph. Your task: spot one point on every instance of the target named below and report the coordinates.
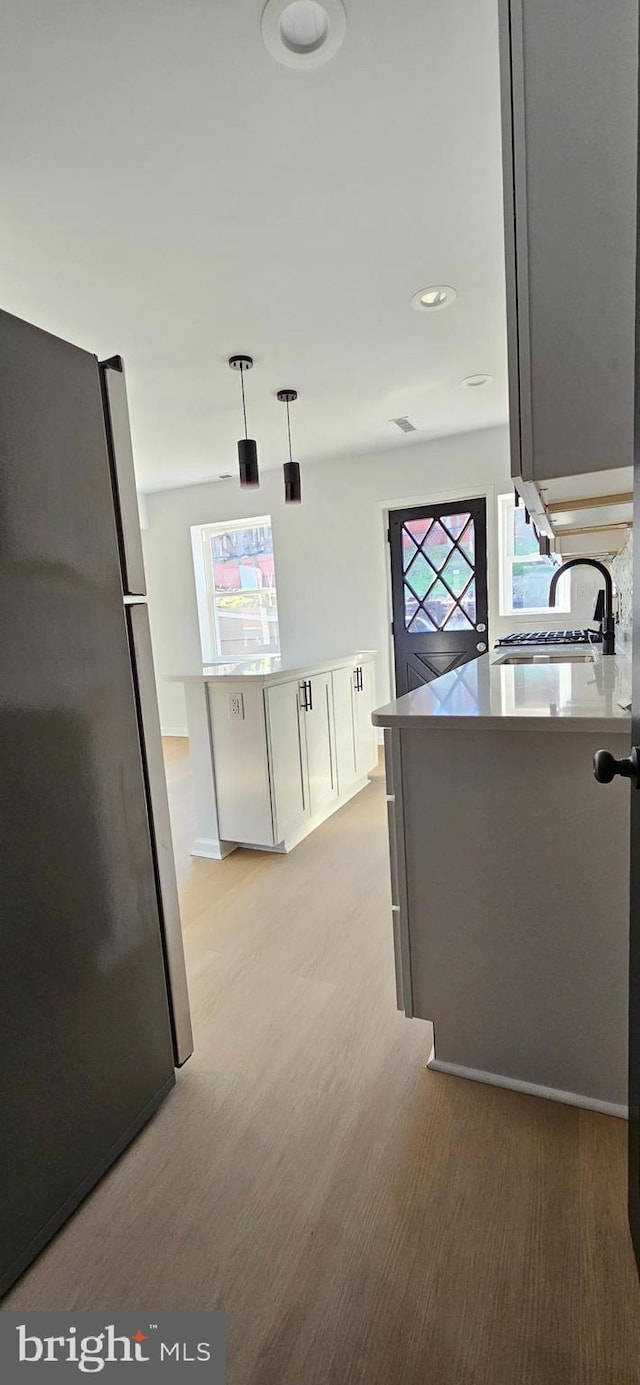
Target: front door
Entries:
(439, 589)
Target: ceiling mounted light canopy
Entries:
(292, 486)
(247, 449)
(303, 33)
(430, 300)
(474, 382)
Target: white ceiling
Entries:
(171, 193)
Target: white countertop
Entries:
(269, 668)
(490, 694)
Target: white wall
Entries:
(330, 553)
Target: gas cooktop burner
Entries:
(552, 637)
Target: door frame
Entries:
(451, 494)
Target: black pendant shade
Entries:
(247, 449)
(292, 485)
(248, 462)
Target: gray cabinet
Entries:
(510, 917)
(569, 116)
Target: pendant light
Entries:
(292, 487)
(247, 450)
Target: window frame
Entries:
(506, 559)
(208, 616)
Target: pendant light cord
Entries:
(289, 429)
(244, 407)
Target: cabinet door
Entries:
(569, 108)
(318, 725)
(343, 686)
(289, 789)
(365, 732)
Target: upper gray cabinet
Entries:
(569, 75)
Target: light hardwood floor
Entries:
(359, 1218)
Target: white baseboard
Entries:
(588, 1103)
(216, 851)
(174, 731)
(212, 849)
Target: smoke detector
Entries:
(303, 33)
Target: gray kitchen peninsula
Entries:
(510, 869)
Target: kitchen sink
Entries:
(531, 656)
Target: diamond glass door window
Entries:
(439, 586)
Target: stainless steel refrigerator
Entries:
(94, 1010)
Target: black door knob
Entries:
(605, 767)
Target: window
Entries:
(438, 568)
(524, 573)
(236, 588)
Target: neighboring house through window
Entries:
(236, 588)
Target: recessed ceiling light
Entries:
(303, 33)
(473, 382)
(437, 296)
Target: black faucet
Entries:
(608, 624)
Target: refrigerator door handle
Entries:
(160, 827)
(125, 495)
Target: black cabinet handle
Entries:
(606, 767)
(303, 696)
(310, 702)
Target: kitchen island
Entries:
(276, 748)
(510, 871)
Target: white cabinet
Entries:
(287, 755)
(344, 732)
(317, 720)
(301, 752)
(366, 743)
(356, 745)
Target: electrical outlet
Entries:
(236, 706)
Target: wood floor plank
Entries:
(359, 1218)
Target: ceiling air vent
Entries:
(404, 424)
